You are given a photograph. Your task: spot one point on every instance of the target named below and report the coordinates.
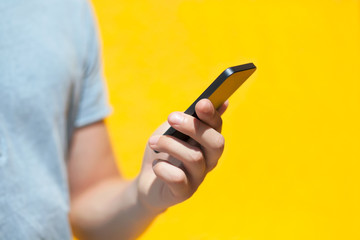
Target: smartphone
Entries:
(218, 91)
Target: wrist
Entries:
(143, 202)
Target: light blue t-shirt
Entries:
(50, 84)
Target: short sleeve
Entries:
(93, 102)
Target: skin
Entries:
(106, 206)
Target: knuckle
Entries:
(220, 143)
(212, 165)
(196, 157)
(162, 142)
(178, 178)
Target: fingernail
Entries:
(153, 140)
(176, 118)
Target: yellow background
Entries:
(291, 168)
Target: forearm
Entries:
(110, 210)
(104, 206)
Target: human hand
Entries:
(174, 174)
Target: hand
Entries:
(174, 174)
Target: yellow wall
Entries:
(291, 168)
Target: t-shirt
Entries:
(50, 84)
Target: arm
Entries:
(101, 200)
(105, 206)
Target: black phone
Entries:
(219, 91)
